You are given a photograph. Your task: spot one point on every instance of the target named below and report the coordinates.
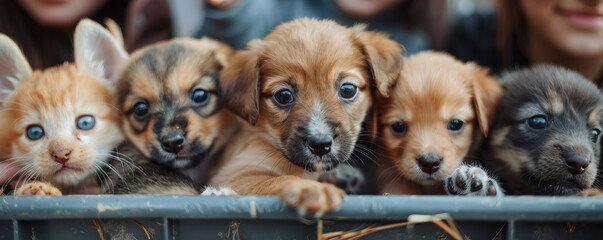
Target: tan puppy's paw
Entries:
(220, 191)
(313, 196)
(38, 188)
(591, 192)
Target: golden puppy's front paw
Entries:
(38, 188)
(309, 195)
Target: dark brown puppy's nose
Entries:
(429, 162)
(61, 156)
(320, 144)
(173, 142)
(576, 163)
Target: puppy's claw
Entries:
(471, 181)
(38, 189)
(220, 191)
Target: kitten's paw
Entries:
(38, 188)
(346, 177)
(313, 196)
(471, 181)
(591, 192)
(220, 191)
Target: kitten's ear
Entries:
(487, 93)
(97, 51)
(14, 68)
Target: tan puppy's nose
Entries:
(61, 156)
(429, 162)
(320, 144)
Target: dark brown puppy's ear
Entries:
(240, 85)
(487, 92)
(384, 57)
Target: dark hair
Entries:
(511, 31)
(432, 16)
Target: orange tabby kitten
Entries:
(59, 124)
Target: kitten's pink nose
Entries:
(61, 156)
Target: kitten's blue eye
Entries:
(455, 125)
(348, 92)
(283, 98)
(537, 122)
(35, 132)
(86, 122)
(200, 98)
(141, 110)
(399, 128)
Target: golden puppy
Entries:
(427, 124)
(304, 90)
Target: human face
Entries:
(60, 13)
(366, 8)
(573, 27)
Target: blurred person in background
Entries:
(566, 33)
(417, 24)
(44, 28)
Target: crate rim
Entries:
(359, 207)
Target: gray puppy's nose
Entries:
(575, 163)
(429, 162)
(320, 144)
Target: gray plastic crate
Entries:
(265, 217)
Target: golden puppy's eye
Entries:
(348, 92)
(283, 98)
(399, 128)
(455, 125)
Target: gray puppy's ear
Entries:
(14, 68)
(98, 52)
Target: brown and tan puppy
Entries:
(427, 125)
(169, 94)
(304, 90)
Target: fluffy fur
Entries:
(54, 101)
(277, 153)
(420, 145)
(561, 158)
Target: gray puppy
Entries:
(545, 140)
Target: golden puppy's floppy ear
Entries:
(487, 92)
(14, 68)
(240, 85)
(384, 57)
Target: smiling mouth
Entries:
(583, 20)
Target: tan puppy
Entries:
(304, 90)
(427, 124)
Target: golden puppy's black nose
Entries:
(575, 163)
(320, 144)
(429, 162)
(173, 142)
